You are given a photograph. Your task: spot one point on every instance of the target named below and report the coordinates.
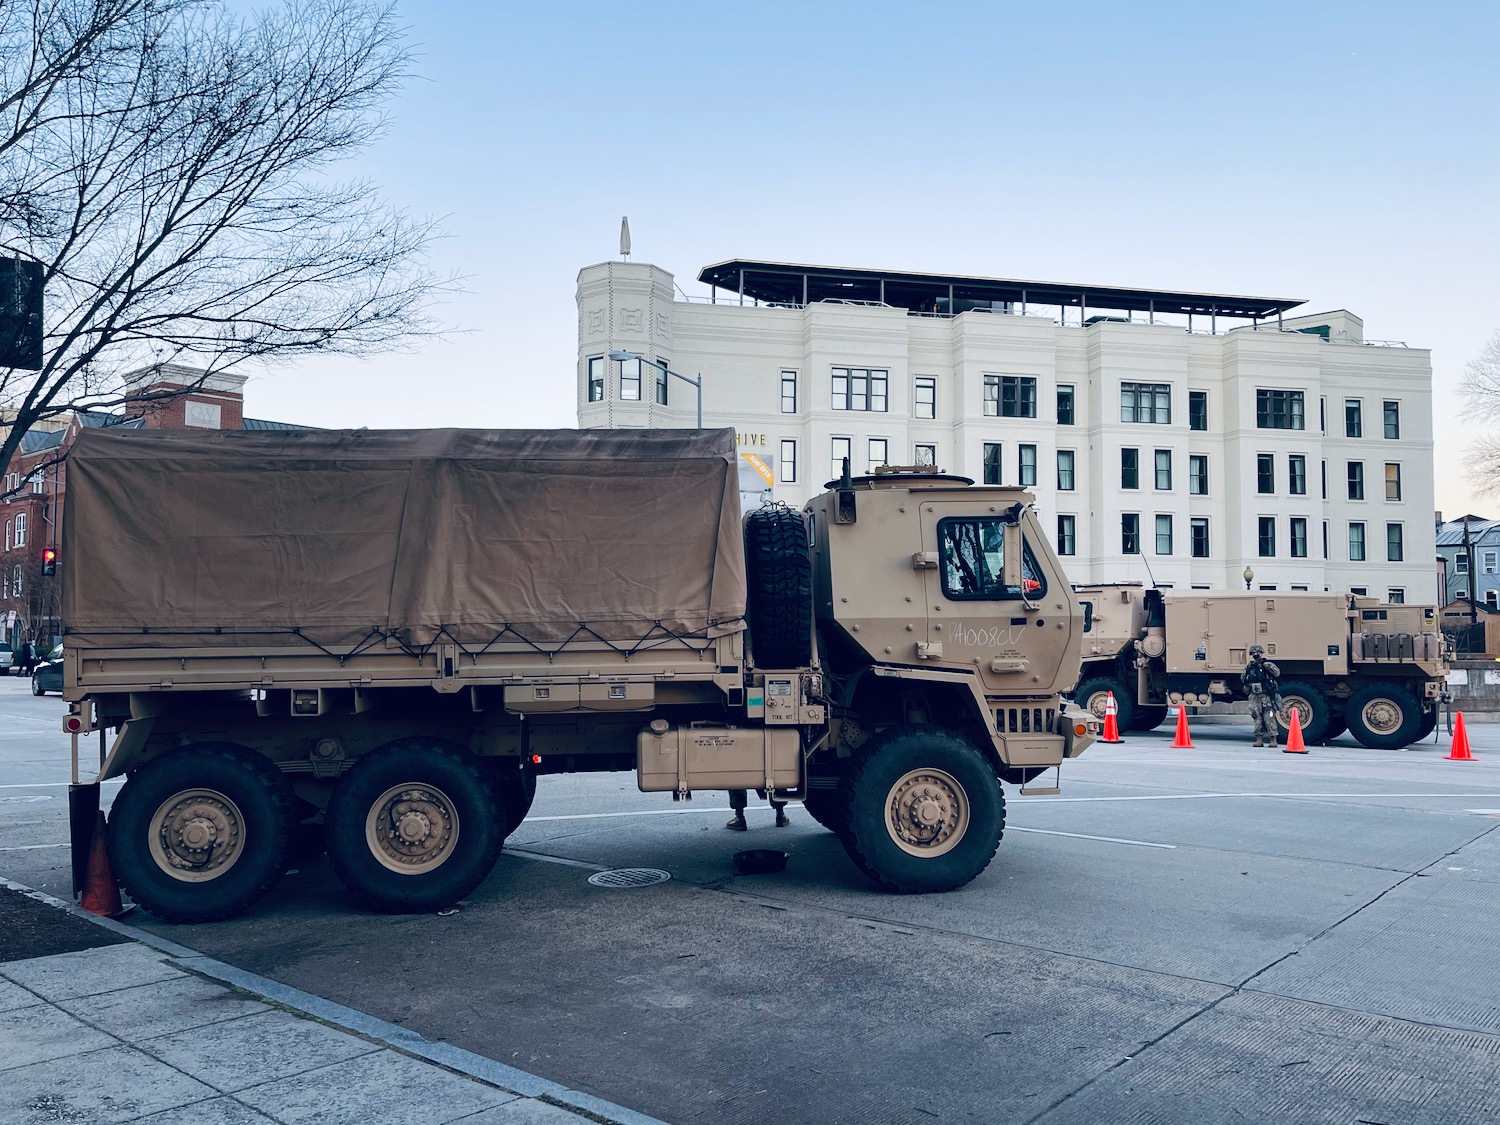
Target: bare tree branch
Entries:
(169, 165)
(1480, 389)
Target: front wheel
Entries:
(1093, 695)
(923, 811)
(36, 686)
(201, 833)
(415, 826)
(1148, 717)
(823, 806)
(1383, 717)
(1313, 710)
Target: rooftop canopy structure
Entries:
(791, 285)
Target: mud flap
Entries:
(83, 818)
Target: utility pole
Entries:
(1469, 558)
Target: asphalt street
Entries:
(1209, 935)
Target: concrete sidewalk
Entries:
(138, 1032)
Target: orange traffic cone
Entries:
(1111, 722)
(1294, 743)
(1184, 740)
(1460, 751)
(100, 895)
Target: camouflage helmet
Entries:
(1257, 650)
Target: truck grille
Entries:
(1026, 720)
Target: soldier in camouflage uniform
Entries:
(1259, 680)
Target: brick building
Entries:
(32, 516)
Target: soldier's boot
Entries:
(781, 818)
(737, 823)
(1257, 742)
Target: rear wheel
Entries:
(922, 811)
(1427, 725)
(36, 686)
(517, 792)
(1092, 695)
(823, 806)
(415, 826)
(778, 604)
(1313, 711)
(1148, 717)
(1383, 717)
(201, 833)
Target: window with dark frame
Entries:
(1163, 535)
(1067, 535)
(1265, 473)
(879, 454)
(1130, 468)
(992, 450)
(1395, 542)
(1392, 480)
(596, 378)
(1026, 464)
(1392, 419)
(1356, 480)
(659, 375)
(860, 388)
(1197, 410)
(1297, 529)
(843, 450)
(1146, 402)
(1065, 413)
(1197, 474)
(788, 466)
(789, 392)
(1198, 529)
(1396, 595)
(1356, 542)
(1130, 533)
(924, 396)
(1164, 470)
(1267, 537)
(1354, 425)
(630, 380)
(1296, 474)
(1010, 396)
(1066, 481)
(1279, 410)
(925, 455)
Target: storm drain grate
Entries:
(623, 877)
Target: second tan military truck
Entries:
(385, 637)
(1374, 668)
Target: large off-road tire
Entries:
(415, 825)
(1312, 707)
(1337, 724)
(923, 810)
(779, 606)
(517, 792)
(1383, 716)
(824, 806)
(1092, 693)
(1426, 725)
(201, 833)
(1147, 717)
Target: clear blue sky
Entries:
(1345, 153)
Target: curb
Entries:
(397, 1038)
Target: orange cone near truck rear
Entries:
(100, 894)
(1460, 751)
(1294, 743)
(1111, 722)
(1184, 740)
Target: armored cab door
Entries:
(984, 593)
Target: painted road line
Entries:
(545, 858)
(41, 847)
(1101, 839)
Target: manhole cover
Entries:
(623, 877)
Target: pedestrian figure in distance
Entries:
(739, 798)
(1260, 681)
(27, 658)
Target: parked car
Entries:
(47, 676)
(7, 659)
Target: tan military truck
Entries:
(1374, 668)
(387, 636)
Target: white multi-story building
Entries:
(1177, 438)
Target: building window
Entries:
(1197, 474)
(992, 462)
(1486, 564)
(1354, 425)
(20, 540)
(926, 455)
(1356, 542)
(1279, 410)
(788, 464)
(1164, 470)
(659, 375)
(36, 483)
(1065, 478)
(15, 581)
(1396, 595)
(1163, 535)
(1325, 480)
(859, 388)
(1392, 481)
(1325, 539)
(1268, 537)
(879, 454)
(1026, 463)
(596, 378)
(1197, 410)
(1395, 544)
(1322, 415)
(789, 392)
(1198, 529)
(1067, 535)
(1010, 396)
(1130, 468)
(1360, 590)
(7, 534)
(1297, 528)
(1065, 406)
(843, 451)
(1130, 534)
(925, 396)
(1461, 563)
(1392, 420)
(1491, 597)
(1146, 402)
(1265, 473)
(1356, 480)
(1296, 474)
(630, 380)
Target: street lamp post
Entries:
(621, 356)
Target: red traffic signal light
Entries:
(49, 562)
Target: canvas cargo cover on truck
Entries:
(234, 538)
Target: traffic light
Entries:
(49, 562)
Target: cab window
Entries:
(972, 553)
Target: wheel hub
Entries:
(927, 812)
(197, 835)
(411, 828)
(1382, 716)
